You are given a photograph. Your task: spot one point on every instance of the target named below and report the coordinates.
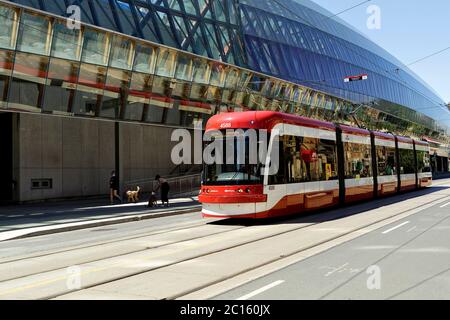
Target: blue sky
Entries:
(410, 30)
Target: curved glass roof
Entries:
(296, 40)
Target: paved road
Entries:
(187, 256)
(411, 257)
(14, 249)
(48, 214)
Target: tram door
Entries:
(275, 177)
(6, 160)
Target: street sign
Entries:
(356, 78)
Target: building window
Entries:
(61, 85)
(29, 78)
(89, 90)
(165, 65)
(145, 59)
(139, 96)
(34, 34)
(217, 75)
(202, 71)
(6, 65)
(184, 68)
(122, 53)
(66, 42)
(8, 27)
(115, 93)
(358, 161)
(96, 47)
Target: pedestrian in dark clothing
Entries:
(114, 187)
(163, 185)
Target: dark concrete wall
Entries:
(79, 154)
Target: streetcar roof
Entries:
(262, 120)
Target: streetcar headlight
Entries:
(240, 190)
(248, 190)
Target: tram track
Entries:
(80, 247)
(134, 237)
(273, 236)
(268, 233)
(129, 252)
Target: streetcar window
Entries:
(304, 159)
(386, 161)
(423, 162)
(407, 163)
(358, 161)
(238, 165)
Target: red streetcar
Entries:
(320, 165)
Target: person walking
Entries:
(114, 188)
(163, 185)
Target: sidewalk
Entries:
(45, 218)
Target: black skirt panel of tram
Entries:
(416, 165)
(374, 165)
(397, 155)
(341, 165)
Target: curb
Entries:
(52, 229)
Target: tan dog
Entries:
(133, 196)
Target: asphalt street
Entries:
(411, 258)
(402, 241)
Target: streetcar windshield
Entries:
(236, 159)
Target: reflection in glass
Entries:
(358, 161)
(202, 71)
(6, 65)
(161, 94)
(423, 161)
(184, 68)
(96, 46)
(8, 27)
(116, 91)
(139, 96)
(165, 65)
(61, 85)
(386, 161)
(232, 78)
(27, 87)
(34, 34)
(89, 90)
(122, 53)
(217, 75)
(145, 59)
(182, 90)
(66, 42)
(407, 162)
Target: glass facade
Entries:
(250, 55)
(294, 40)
